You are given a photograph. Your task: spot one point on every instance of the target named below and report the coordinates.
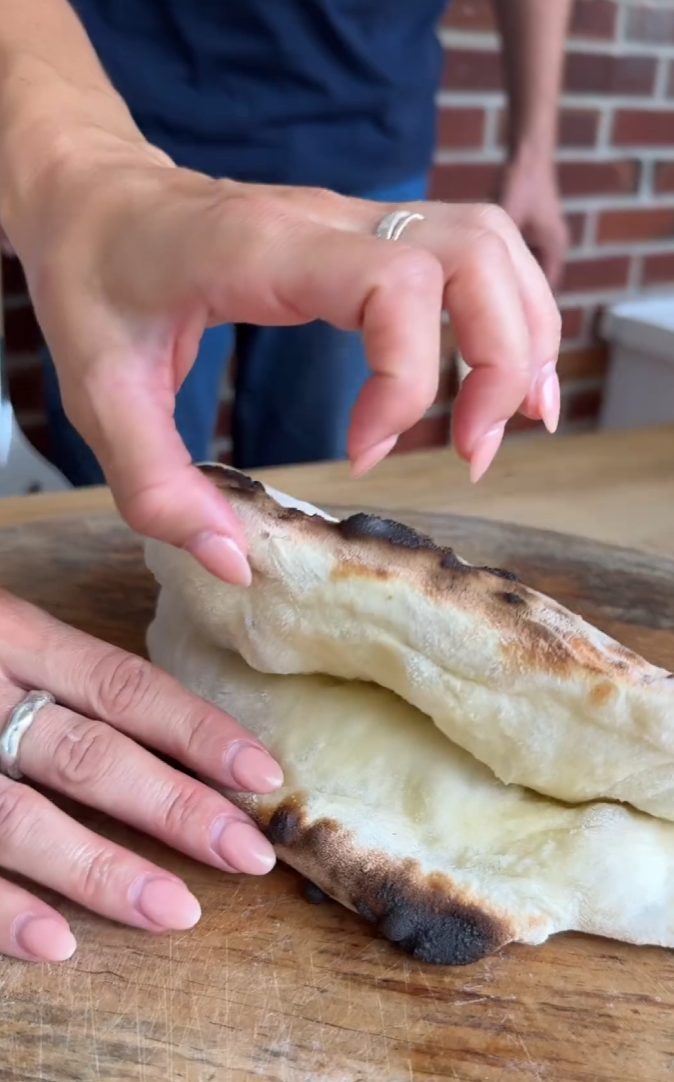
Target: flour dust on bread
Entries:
(394, 821)
(528, 688)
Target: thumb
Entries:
(127, 419)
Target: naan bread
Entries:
(390, 818)
(531, 690)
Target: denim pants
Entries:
(295, 390)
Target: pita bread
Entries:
(534, 692)
(390, 818)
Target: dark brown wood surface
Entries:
(269, 987)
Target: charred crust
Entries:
(313, 894)
(431, 926)
(423, 914)
(359, 527)
(370, 527)
(512, 599)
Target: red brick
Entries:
(226, 457)
(470, 15)
(649, 223)
(573, 323)
(21, 330)
(601, 73)
(26, 389)
(588, 363)
(643, 127)
(472, 69)
(664, 177)
(594, 19)
(610, 272)
(583, 406)
(576, 225)
(460, 128)
(13, 281)
(650, 24)
(658, 268)
(577, 127)
(428, 432)
(598, 178)
(465, 183)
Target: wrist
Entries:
(49, 132)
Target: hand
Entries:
(95, 762)
(530, 195)
(128, 259)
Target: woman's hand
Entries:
(129, 259)
(82, 749)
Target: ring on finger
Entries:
(18, 723)
(394, 224)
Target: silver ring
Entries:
(394, 224)
(20, 720)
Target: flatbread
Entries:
(394, 821)
(541, 697)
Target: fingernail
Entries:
(166, 903)
(485, 450)
(222, 557)
(44, 938)
(367, 459)
(242, 847)
(253, 768)
(549, 401)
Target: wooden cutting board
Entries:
(269, 987)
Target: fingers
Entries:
(99, 767)
(39, 841)
(127, 418)
(30, 929)
(136, 698)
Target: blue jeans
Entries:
(295, 390)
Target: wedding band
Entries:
(394, 224)
(18, 724)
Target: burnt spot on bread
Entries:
(512, 598)
(426, 916)
(370, 527)
(227, 478)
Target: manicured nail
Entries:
(222, 557)
(242, 847)
(485, 450)
(166, 903)
(253, 768)
(367, 459)
(549, 401)
(45, 939)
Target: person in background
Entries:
(326, 93)
(133, 249)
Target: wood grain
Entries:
(269, 987)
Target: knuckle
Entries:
(493, 218)
(182, 810)
(83, 753)
(96, 872)
(415, 268)
(198, 736)
(18, 807)
(123, 684)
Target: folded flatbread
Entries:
(541, 697)
(396, 822)
(355, 637)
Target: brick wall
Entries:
(616, 169)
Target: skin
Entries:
(128, 260)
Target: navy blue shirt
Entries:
(334, 93)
